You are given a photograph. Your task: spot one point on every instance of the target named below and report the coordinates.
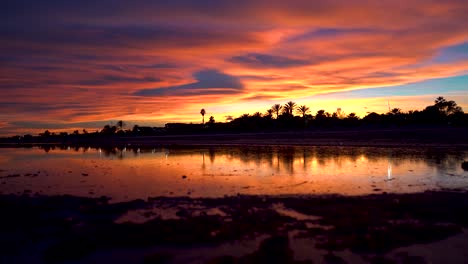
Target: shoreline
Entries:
(452, 137)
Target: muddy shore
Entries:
(383, 228)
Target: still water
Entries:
(132, 173)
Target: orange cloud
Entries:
(65, 64)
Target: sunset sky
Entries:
(75, 64)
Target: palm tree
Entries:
(303, 110)
(276, 109)
(203, 112)
(289, 108)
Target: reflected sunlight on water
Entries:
(130, 173)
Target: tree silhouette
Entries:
(257, 115)
(203, 112)
(45, 134)
(340, 114)
(269, 113)
(108, 130)
(395, 111)
(320, 114)
(289, 108)
(212, 120)
(276, 109)
(446, 107)
(353, 116)
(303, 110)
(120, 124)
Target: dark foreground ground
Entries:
(427, 227)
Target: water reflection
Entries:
(134, 172)
(389, 171)
(287, 158)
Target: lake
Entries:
(131, 173)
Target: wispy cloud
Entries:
(88, 61)
(207, 82)
(258, 60)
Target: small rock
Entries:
(184, 177)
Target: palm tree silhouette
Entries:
(303, 110)
(289, 108)
(203, 112)
(276, 109)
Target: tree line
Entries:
(286, 117)
(292, 116)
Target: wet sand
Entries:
(384, 228)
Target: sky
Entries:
(73, 64)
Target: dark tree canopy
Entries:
(281, 118)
